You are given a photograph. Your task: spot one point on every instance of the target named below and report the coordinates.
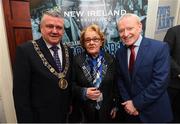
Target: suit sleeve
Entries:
(170, 38)
(119, 79)
(115, 94)
(77, 90)
(21, 86)
(159, 81)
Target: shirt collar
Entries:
(138, 42)
(49, 45)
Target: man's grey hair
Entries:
(130, 15)
(54, 13)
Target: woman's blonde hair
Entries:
(95, 28)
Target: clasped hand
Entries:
(129, 108)
(93, 93)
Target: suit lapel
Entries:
(82, 63)
(63, 56)
(44, 49)
(140, 55)
(105, 65)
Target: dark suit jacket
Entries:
(147, 88)
(107, 87)
(173, 39)
(37, 96)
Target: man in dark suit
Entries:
(172, 37)
(42, 74)
(142, 73)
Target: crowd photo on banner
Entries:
(80, 13)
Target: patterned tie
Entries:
(131, 59)
(56, 57)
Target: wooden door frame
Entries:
(10, 25)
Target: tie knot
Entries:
(54, 48)
(131, 47)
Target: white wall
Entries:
(178, 21)
(151, 18)
(7, 112)
(151, 23)
(2, 116)
(174, 12)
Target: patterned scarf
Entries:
(96, 68)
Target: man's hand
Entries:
(92, 93)
(129, 108)
(113, 113)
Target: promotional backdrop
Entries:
(80, 13)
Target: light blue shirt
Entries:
(137, 44)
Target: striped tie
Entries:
(56, 57)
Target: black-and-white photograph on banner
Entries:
(80, 13)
